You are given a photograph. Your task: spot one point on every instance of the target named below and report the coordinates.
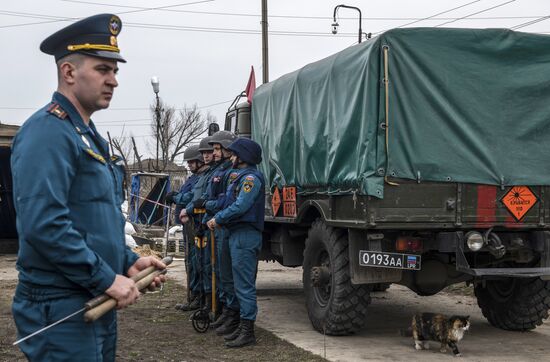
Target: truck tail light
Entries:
(405, 243)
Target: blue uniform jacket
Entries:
(244, 200)
(217, 184)
(199, 189)
(184, 196)
(71, 229)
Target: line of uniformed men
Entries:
(225, 194)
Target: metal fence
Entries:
(177, 179)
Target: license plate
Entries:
(389, 260)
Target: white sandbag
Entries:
(124, 207)
(175, 229)
(129, 229)
(130, 241)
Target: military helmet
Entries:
(224, 138)
(192, 153)
(204, 145)
(247, 150)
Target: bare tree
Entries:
(176, 130)
(136, 154)
(122, 146)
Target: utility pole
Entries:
(155, 83)
(265, 58)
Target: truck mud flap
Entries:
(462, 264)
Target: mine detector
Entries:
(420, 157)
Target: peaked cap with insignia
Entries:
(95, 36)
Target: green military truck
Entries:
(421, 158)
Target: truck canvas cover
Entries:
(464, 105)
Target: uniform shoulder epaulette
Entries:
(57, 111)
(96, 156)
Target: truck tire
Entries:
(380, 287)
(514, 304)
(337, 307)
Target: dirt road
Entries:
(283, 312)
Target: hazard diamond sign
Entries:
(275, 201)
(519, 200)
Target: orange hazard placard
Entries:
(289, 201)
(289, 209)
(275, 201)
(289, 193)
(519, 200)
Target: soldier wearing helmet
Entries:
(206, 149)
(194, 161)
(195, 210)
(229, 319)
(242, 212)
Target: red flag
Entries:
(251, 86)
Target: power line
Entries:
(523, 25)
(195, 29)
(247, 31)
(120, 13)
(477, 12)
(124, 120)
(415, 20)
(124, 108)
(440, 13)
(294, 16)
(214, 104)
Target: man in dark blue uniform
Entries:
(243, 215)
(66, 193)
(194, 162)
(192, 216)
(228, 321)
(198, 205)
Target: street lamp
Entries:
(156, 88)
(335, 24)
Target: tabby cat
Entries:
(440, 328)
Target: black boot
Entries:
(221, 318)
(192, 297)
(230, 324)
(246, 337)
(207, 306)
(235, 334)
(193, 305)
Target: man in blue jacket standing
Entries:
(228, 321)
(66, 193)
(243, 215)
(195, 161)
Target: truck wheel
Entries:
(380, 287)
(514, 304)
(335, 306)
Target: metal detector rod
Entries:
(213, 263)
(48, 327)
(168, 216)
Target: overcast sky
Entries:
(202, 50)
